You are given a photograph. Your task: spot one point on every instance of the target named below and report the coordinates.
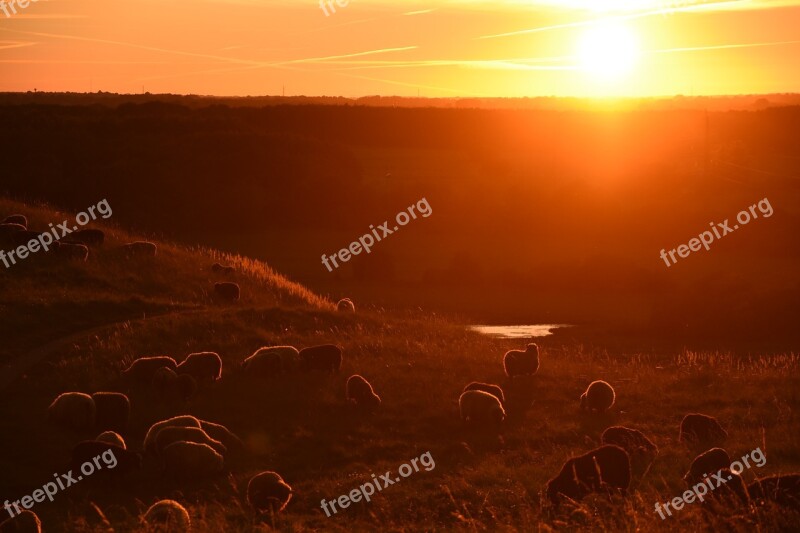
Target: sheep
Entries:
(23, 238)
(268, 492)
(345, 305)
(112, 437)
(519, 363)
(140, 249)
(168, 384)
(19, 220)
(641, 450)
(324, 358)
(272, 360)
(494, 390)
(733, 491)
(152, 433)
(360, 392)
(606, 468)
(481, 410)
(226, 291)
(167, 516)
(117, 462)
(143, 369)
(223, 435)
(89, 237)
(708, 462)
(74, 410)
(185, 387)
(202, 366)
(599, 397)
(24, 522)
(71, 252)
(8, 230)
(222, 269)
(782, 490)
(171, 434)
(111, 410)
(191, 460)
(701, 430)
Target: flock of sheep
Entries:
(626, 454)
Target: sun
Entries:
(608, 50)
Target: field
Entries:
(76, 326)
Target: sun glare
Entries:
(608, 50)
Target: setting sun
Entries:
(608, 50)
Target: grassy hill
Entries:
(75, 326)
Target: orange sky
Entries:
(395, 47)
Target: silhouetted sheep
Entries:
(361, 393)
(23, 238)
(112, 437)
(522, 363)
(16, 219)
(221, 433)
(783, 490)
(265, 362)
(599, 397)
(111, 410)
(97, 453)
(7, 231)
(140, 249)
(708, 462)
(492, 389)
(168, 516)
(346, 305)
(226, 291)
(71, 252)
(190, 460)
(606, 468)
(481, 410)
(168, 384)
(143, 369)
(701, 430)
(73, 410)
(733, 491)
(24, 522)
(89, 237)
(170, 434)
(152, 433)
(222, 269)
(268, 492)
(323, 358)
(202, 366)
(641, 450)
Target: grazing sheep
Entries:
(24, 522)
(223, 435)
(171, 434)
(783, 490)
(143, 369)
(202, 366)
(481, 409)
(152, 433)
(140, 249)
(190, 460)
(222, 269)
(345, 305)
(492, 389)
(167, 516)
(226, 291)
(519, 363)
(733, 491)
(111, 410)
(701, 430)
(599, 397)
(164, 380)
(168, 384)
(641, 450)
(112, 438)
(186, 387)
(7, 231)
(323, 358)
(16, 219)
(110, 462)
(360, 392)
(708, 462)
(23, 238)
(89, 237)
(271, 360)
(71, 252)
(74, 410)
(606, 468)
(268, 492)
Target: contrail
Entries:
(719, 47)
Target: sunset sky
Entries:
(401, 47)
